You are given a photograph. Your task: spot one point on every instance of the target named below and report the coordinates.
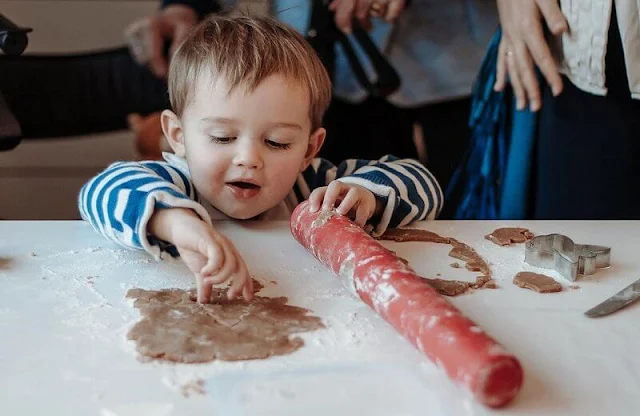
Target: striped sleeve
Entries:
(119, 202)
(408, 191)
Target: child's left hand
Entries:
(354, 201)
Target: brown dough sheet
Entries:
(174, 327)
(537, 282)
(460, 251)
(509, 235)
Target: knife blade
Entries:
(625, 297)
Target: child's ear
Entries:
(172, 129)
(315, 143)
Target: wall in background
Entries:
(41, 179)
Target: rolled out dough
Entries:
(537, 282)
(460, 251)
(174, 327)
(509, 235)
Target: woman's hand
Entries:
(146, 36)
(523, 45)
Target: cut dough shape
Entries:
(460, 251)
(537, 282)
(509, 235)
(174, 327)
(449, 287)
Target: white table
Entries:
(64, 351)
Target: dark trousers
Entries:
(588, 149)
(373, 128)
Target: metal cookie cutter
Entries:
(560, 253)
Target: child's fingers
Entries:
(203, 289)
(348, 202)
(334, 190)
(247, 290)
(363, 213)
(316, 197)
(229, 265)
(240, 278)
(215, 256)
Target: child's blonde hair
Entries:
(245, 51)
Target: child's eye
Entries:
(221, 140)
(277, 145)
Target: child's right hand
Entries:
(211, 256)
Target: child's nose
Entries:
(249, 157)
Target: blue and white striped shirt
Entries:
(120, 201)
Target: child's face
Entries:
(245, 150)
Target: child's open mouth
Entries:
(244, 185)
(243, 190)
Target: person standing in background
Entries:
(587, 147)
(436, 46)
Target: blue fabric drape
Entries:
(493, 180)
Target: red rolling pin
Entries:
(436, 327)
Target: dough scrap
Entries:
(490, 285)
(473, 261)
(509, 235)
(174, 327)
(460, 251)
(401, 235)
(449, 287)
(537, 282)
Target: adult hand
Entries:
(363, 10)
(523, 45)
(146, 37)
